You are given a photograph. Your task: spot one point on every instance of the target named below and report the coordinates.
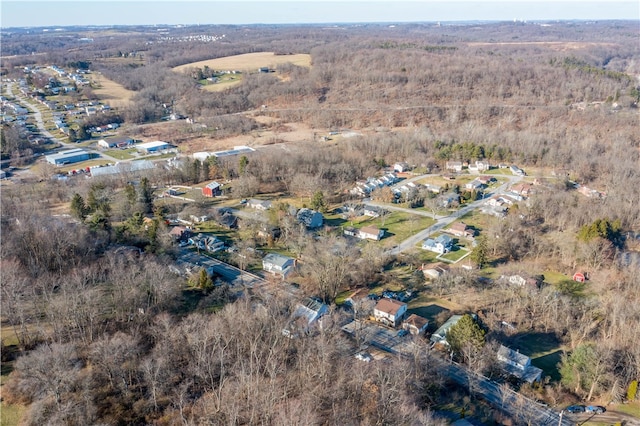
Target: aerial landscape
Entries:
(428, 220)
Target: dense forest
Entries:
(97, 328)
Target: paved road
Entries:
(441, 221)
(40, 123)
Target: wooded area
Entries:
(97, 328)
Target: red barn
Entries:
(214, 189)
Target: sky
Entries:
(45, 13)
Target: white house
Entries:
(370, 233)
(389, 311)
(306, 316)
(441, 244)
(456, 166)
(401, 167)
(259, 204)
(278, 264)
(518, 365)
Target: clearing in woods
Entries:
(249, 62)
(111, 92)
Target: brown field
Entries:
(223, 85)
(111, 92)
(250, 61)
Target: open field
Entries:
(249, 62)
(111, 92)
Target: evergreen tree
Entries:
(78, 207)
(318, 203)
(465, 333)
(243, 163)
(480, 252)
(146, 196)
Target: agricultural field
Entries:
(249, 62)
(111, 92)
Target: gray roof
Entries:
(440, 336)
(277, 259)
(128, 167)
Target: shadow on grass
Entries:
(549, 364)
(429, 312)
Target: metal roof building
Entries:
(68, 157)
(128, 167)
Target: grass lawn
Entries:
(554, 278)
(400, 225)
(543, 348)
(454, 256)
(477, 220)
(226, 81)
(121, 154)
(632, 408)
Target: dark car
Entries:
(575, 409)
(596, 409)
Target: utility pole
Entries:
(560, 419)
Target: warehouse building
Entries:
(68, 157)
(151, 147)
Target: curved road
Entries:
(40, 123)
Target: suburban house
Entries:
(523, 189)
(486, 180)
(373, 211)
(440, 336)
(278, 264)
(180, 233)
(225, 218)
(350, 231)
(441, 244)
(389, 311)
(456, 166)
(259, 204)
(370, 233)
(151, 147)
(401, 167)
(460, 229)
(211, 243)
(518, 365)
(433, 188)
(310, 218)
(434, 270)
(474, 185)
(515, 170)
(415, 324)
(118, 142)
(213, 189)
(306, 315)
(449, 200)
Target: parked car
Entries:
(596, 409)
(575, 409)
(402, 333)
